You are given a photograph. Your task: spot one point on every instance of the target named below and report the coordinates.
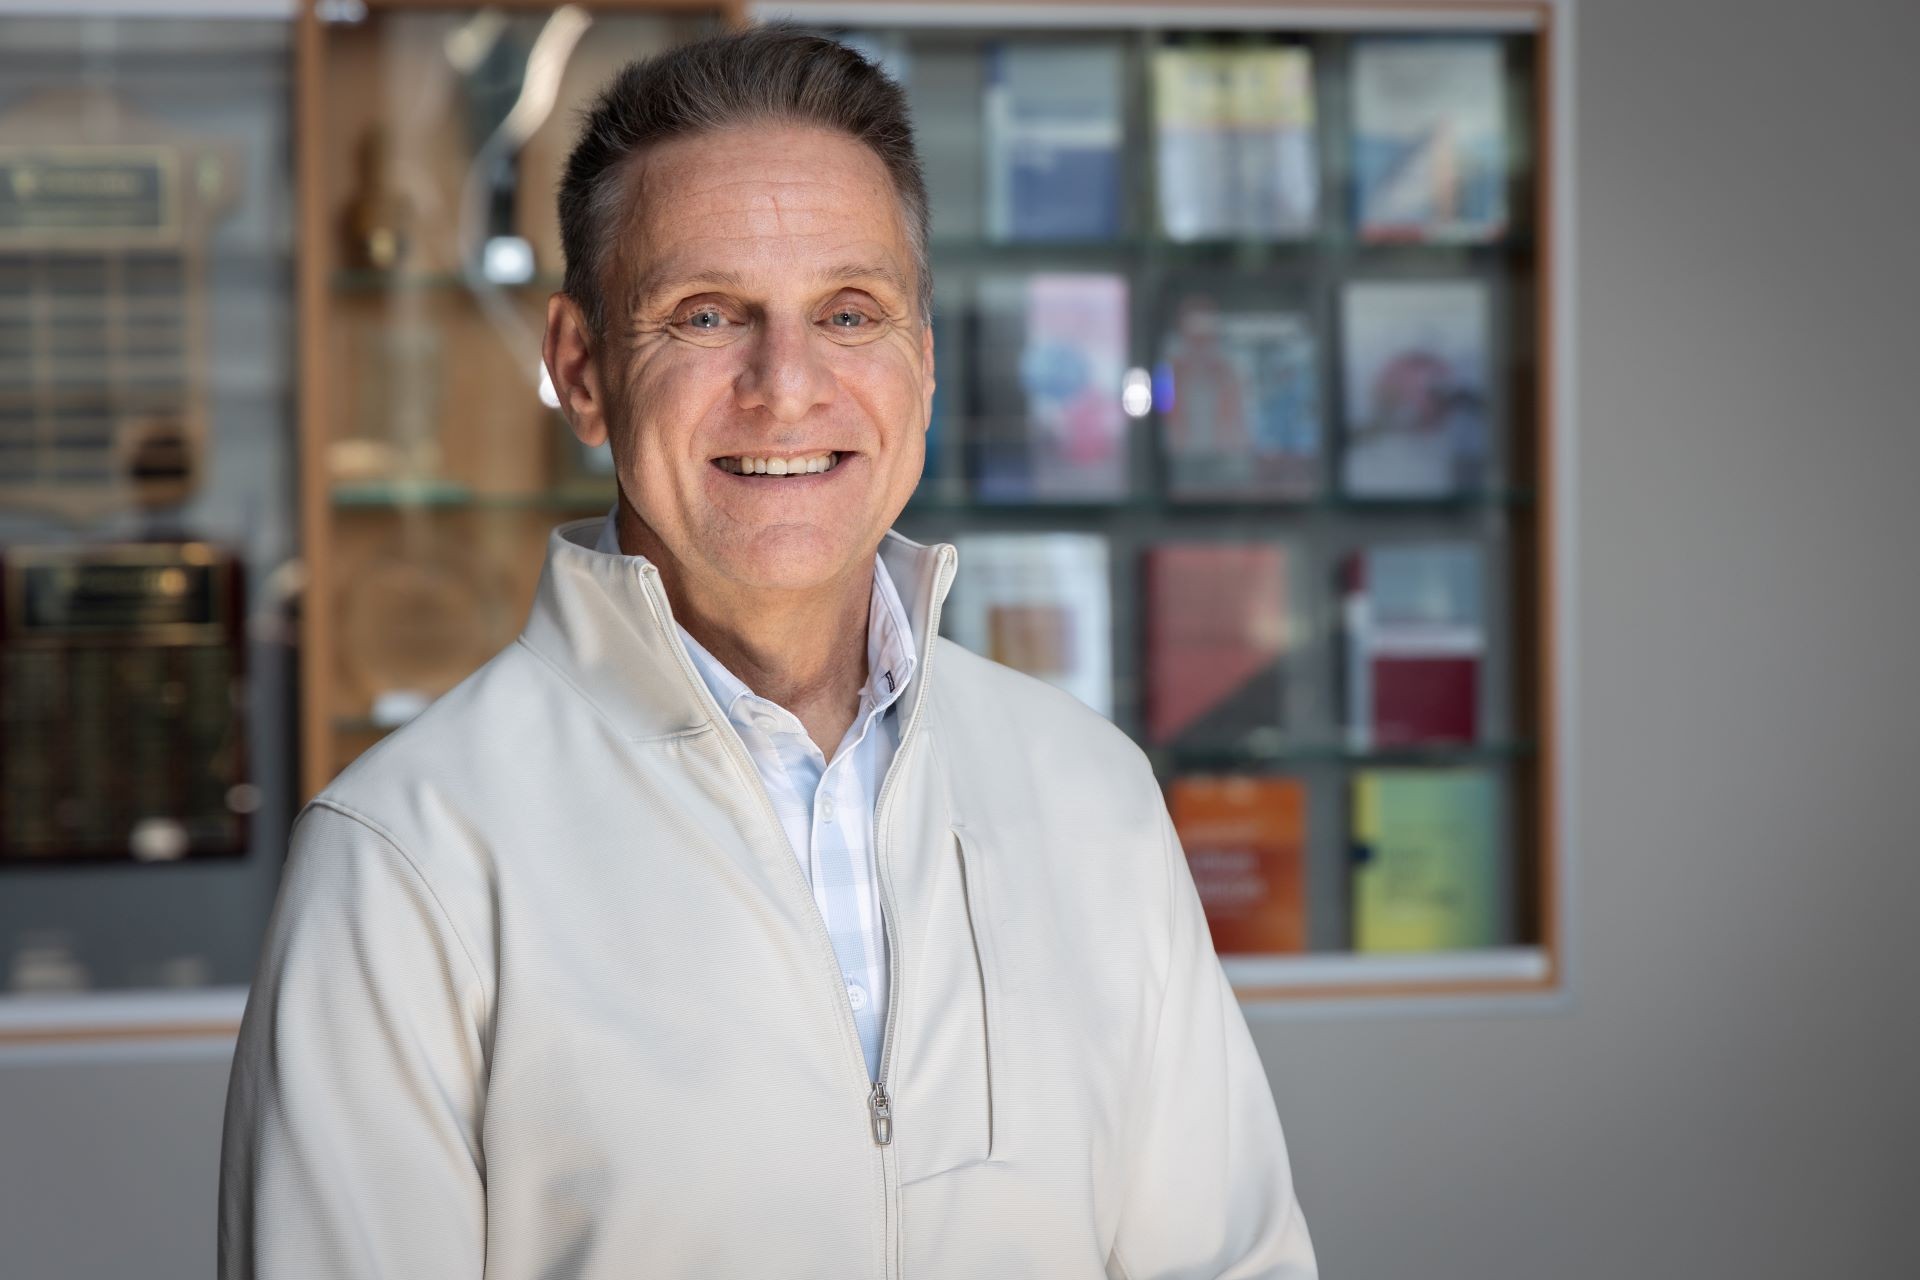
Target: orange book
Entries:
(1244, 838)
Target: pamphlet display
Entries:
(1424, 877)
(1040, 603)
(1418, 367)
(1052, 359)
(1430, 139)
(1416, 642)
(1243, 836)
(1238, 395)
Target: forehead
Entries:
(768, 202)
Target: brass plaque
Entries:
(103, 361)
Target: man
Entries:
(730, 923)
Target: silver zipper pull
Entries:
(882, 1114)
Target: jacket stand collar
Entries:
(603, 623)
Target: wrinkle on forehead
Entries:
(676, 188)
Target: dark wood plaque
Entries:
(122, 703)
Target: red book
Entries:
(1415, 645)
(1216, 640)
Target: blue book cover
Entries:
(1053, 126)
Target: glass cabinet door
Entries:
(1238, 429)
(148, 527)
(442, 461)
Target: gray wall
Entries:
(1729, 1093)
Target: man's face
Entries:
(763, 308)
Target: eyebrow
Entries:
(660, 281)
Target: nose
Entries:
(786, 372)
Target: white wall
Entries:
(1730, 1093)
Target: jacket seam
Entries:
(1144, 1079)
(433, 895)
(594, 706)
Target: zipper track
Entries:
(880, 812)
(878, 1104)
(887, 909)
(737, 752)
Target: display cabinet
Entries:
(1252, 429)
(1252, 417)
(435, 462)
(148, 530)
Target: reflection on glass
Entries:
(147, 518)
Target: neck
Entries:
(805, 650)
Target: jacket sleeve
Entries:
(351, 1148)
(1209, 1191)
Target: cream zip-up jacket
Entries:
(545, 995)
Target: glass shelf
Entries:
(447, 494)
(1223, 252)
(1492, 499)
(1193, 760)
(350, 282)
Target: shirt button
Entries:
(766, 720)
(856, 995)
(826, 808)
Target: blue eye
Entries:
(705, 313)
(841, 317)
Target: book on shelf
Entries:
(1039, 603)
(1244, 837)
(1194, 150)
(1234, 141)
(1429, 140)
(1053, 141)
(1216, 644)
(1051, 358)
(1272, 123)
(1239, 403)
(1414, 624)
(1424, 846)
(1416, 379)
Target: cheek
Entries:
(672, 398)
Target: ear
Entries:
(926, 371)
(568, 350)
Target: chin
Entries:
(792, 560)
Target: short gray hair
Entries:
(766, 74)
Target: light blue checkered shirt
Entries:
(826, 806)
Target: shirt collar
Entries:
(890, 649)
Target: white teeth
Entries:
(780, 466)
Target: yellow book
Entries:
(1425, 877)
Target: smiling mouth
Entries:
(806, 464)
